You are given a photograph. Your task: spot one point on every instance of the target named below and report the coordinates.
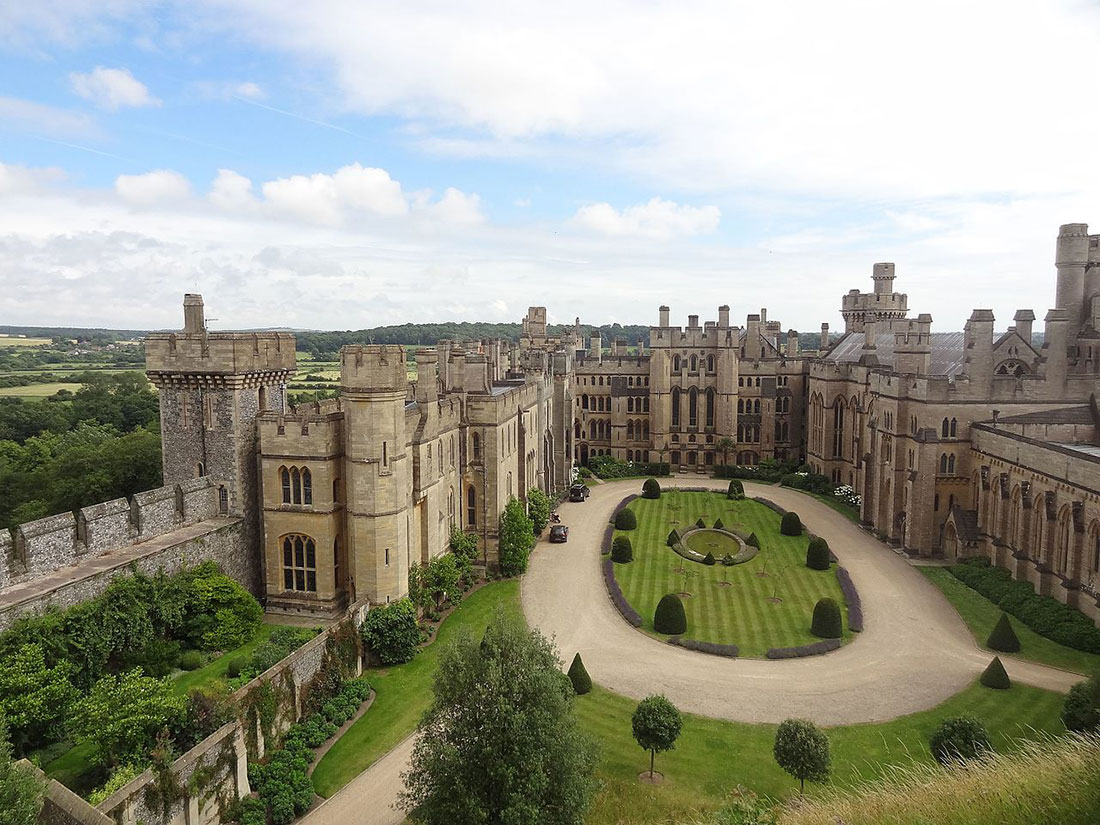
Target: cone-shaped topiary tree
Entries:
(817, 554)
(626, 520)
(669, 617)
(651, 488)
(994, 676)
(1003, 638)
(672, 538)
(827, 623)
(791, 525)
(736, 490)
(582, 683)
(718, 525)
(753, 540)
(700, 523)
(708, 558)
(621, 550)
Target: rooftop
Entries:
(948, 351)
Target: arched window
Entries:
(630, 430)
(740, 405)
(945, 429)
(284, 477)
(954, 428)
(307, 487)
(676, 364)
(471, 506)
(710, 363)
(296, 486)
(693, 406)
(756, 407)
(299, 563)
(740, 380)
(645, 432)
(223, 500)
(694, 364)
(476, 441)
(336, 561)
(951, 464)
(675, 406)
(630, 404)
(1065, 527)
(710, 406)
(943, 464)
(584, 401)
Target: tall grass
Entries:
(1056, 780)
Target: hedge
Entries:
(621, 550)
(626, 520)
(616, 593)
(817, 554)
(729, 651)
(609, 467)
(815, 649)
(1045, 615)
(791, 525)
(608, 539)
(851, 596)
(669, 617)
(809, 482)
(767, 470)
(827, 622)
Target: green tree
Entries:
(122, 715)
(34, 698)
(802, 751)
(538, 508)
(21, 789)
(517, 537)
(390, 632)
(656, 724)
(439, 579)
(1081, 711)
(959, 739)
(531, 764)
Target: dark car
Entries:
(578, 492)
(559, 533)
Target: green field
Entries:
(742, 612)
(24, 342)
(981, 615)
(38, 390)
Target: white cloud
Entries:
(329, 199)
(456, 207)
(21, 180)
(43, 119)
(151, 188)
(232, 191)
(111, 89)
(658, 219)
(249, 89)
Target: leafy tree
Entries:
(516, 539)
(440, 577)
(1081, 711)
(34, 698)
(123, 714)
(463, 544)
(656, 724)
(959, 739)
(21, 789)
(538, 508)
(390, 632)
(1003, 638)
(222, 614)
(802, 751)
(532, 764)
(582, 682)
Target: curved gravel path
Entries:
(914, 653)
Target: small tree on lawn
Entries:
(995, 676)
(582, 682)
(390, 632)
(802, 751)
(959, 739)
(1081, 711)
(21, 790)
(517, 537)
(538, 508)
(439, 579)
(656, 724)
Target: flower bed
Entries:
(729, 651)
(628, 612)
(815, 649)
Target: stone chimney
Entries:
(427, 376)
(824, 337)
(194, 320)
(1024, 319)
(792, 343)
(978, 343)
(724, 316)
(664, 316)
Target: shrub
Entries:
(1003, 638)
(516, 538)
(122, 775)
(814, 649)
(651, 488)
(621, 550)
(1081, 711)
(235, 666)
(582, 683)
(672, 538)
(718, 525)
(827, 622)
(817, 554)
(851, 596)
(222, 615)
(959, 739)
(700, 523)
(709, 558)
(628, 612)
(994, 676)
(791, 525)
(736, 490)
(626, 520)
(727, 560)
(191, 660)
(390, 632)
(669, 617)
(538, 508)
(753, 540)
(730, 651)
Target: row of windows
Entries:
(598, 381)
(693, 363)
(748, 433)
(693, 406)
(297, 485)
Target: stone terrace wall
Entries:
(214, 773)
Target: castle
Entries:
(958, 443)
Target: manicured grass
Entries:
(38, 390)
(404, 692)
(216, 668)
(849, 513)
(713, 541)
(980, 615)
(713, 757)
(741, 613)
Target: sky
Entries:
(342, 164)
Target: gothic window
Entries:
(630, 405)
(476, 441)
(630, 430)
(645, 432)
(296, 485)
(710, 406)
(299, 563)
(945, 429)
(951, 464)
(756, 407)
(954, 428)
(471, 506)
(710, 363)
(451, 507)
(740, 381)
(693, 406)
(694, 364)
(284, 476)
(223, 500)
(943, 464)
(336, 560)
(307, 487)
(675, 406)
(452, 451)
(740, 405)
(584, 401)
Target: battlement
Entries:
(219, 354)
(374, 368)
(304, 433)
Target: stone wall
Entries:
(63, 807)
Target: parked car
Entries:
(578, 492)
(559, 534)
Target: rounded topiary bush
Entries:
(827, 622)
(736, 490)
(718, 525)
(709, 558)
(626, 520)
(672, 538)
(700, 523)
(582, 683)
(651, 488)
(1003, 638)
(995, 676)
(669, 617)
(191, 660)
(959, 739)
(621, 550)
(791, 525)
(817, 554)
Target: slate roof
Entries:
(1062, 415)
(948, 351)
(966, 524)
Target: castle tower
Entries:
(377, 469)
(212, 385)
(1071, 259)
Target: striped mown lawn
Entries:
(741, 612)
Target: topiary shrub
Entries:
(727, 560)
(700, 523)
(669, 617)
(390, 632)
(1081, 711)
(791, 525)
(709, 558)
(736, 490)
(651, 488)
(718, 525)
(753, 540)
(672, 539)
(826, 622)
(626, 520)
(817, 554)
(622, 551)
(995, 676)
(582, 683)
(235, 666)
(958, 739)
(1003, 638)
(191, 660)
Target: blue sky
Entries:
(347, 164)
